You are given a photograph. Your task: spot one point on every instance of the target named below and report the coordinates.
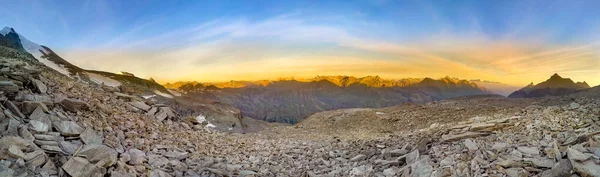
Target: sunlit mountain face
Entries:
(510, 42)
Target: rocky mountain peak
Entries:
(554, 86)
(555, 76)
(7, 30)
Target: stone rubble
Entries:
(63, 127)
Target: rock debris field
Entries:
(52, 125)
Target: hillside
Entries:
(289, 101)
(554, 86)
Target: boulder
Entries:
(68, 147)
(38, 126)
(27, 107)
(560, 169)
(137, 156)
(14, 109)
(140, 105)
(73, 105)
(99, 154)
(80, 167)
(39, 86)
(15, 152)
(68, 128)
(90, 137)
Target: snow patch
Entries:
(36, 50)
(99, 79)
(201, 118)
(173, 92)
(166, 95)
(209, 125)
(148, 96)
(379, 113)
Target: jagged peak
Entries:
(7, 30)
(556, 76)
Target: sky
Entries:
(514, 42)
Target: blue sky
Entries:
(511, 41)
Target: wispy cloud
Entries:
(287, 45)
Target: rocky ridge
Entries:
(554, 86)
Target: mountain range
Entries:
(286, 100)
(554, 86)
(290, 100)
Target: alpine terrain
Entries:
(291, 100)
(57, 119)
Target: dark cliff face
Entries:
(291, 101)
(554, 86)
(11, 40)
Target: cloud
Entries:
(290, 46)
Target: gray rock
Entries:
(176, 155)
(358, 158)
(472, 146)
(152, 111)
(574, 105)
(582, 164)
(99, 154)
(13, 109)
(246, 173)
(529, 150)
(541, 162)
(68, 147)
(45, 137)
(161, 115)
(68, 128)
(4, 168)
(412, 157)
(73, 105)
(168, 111)
(80, 167)
(514, 172)
(40, 87)
(159, 173)
(24, 132)
(576, 155)
(137, 156)
(499, 146)
(8, 87)
(38, 127)
(90, 137)
(447, 138)
(560, 169)
(27, 107)
(157, 161)
(51, 149)
(15, 152)
(49, 143)
(398, 152)
(140, 105)
(421, 168)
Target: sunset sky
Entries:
(514, 42)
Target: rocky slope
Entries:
(14, 44)
(52, 125)
(289, 101)
(554, 86)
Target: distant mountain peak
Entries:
(555, 76)
(7, 30)
(554, 86)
